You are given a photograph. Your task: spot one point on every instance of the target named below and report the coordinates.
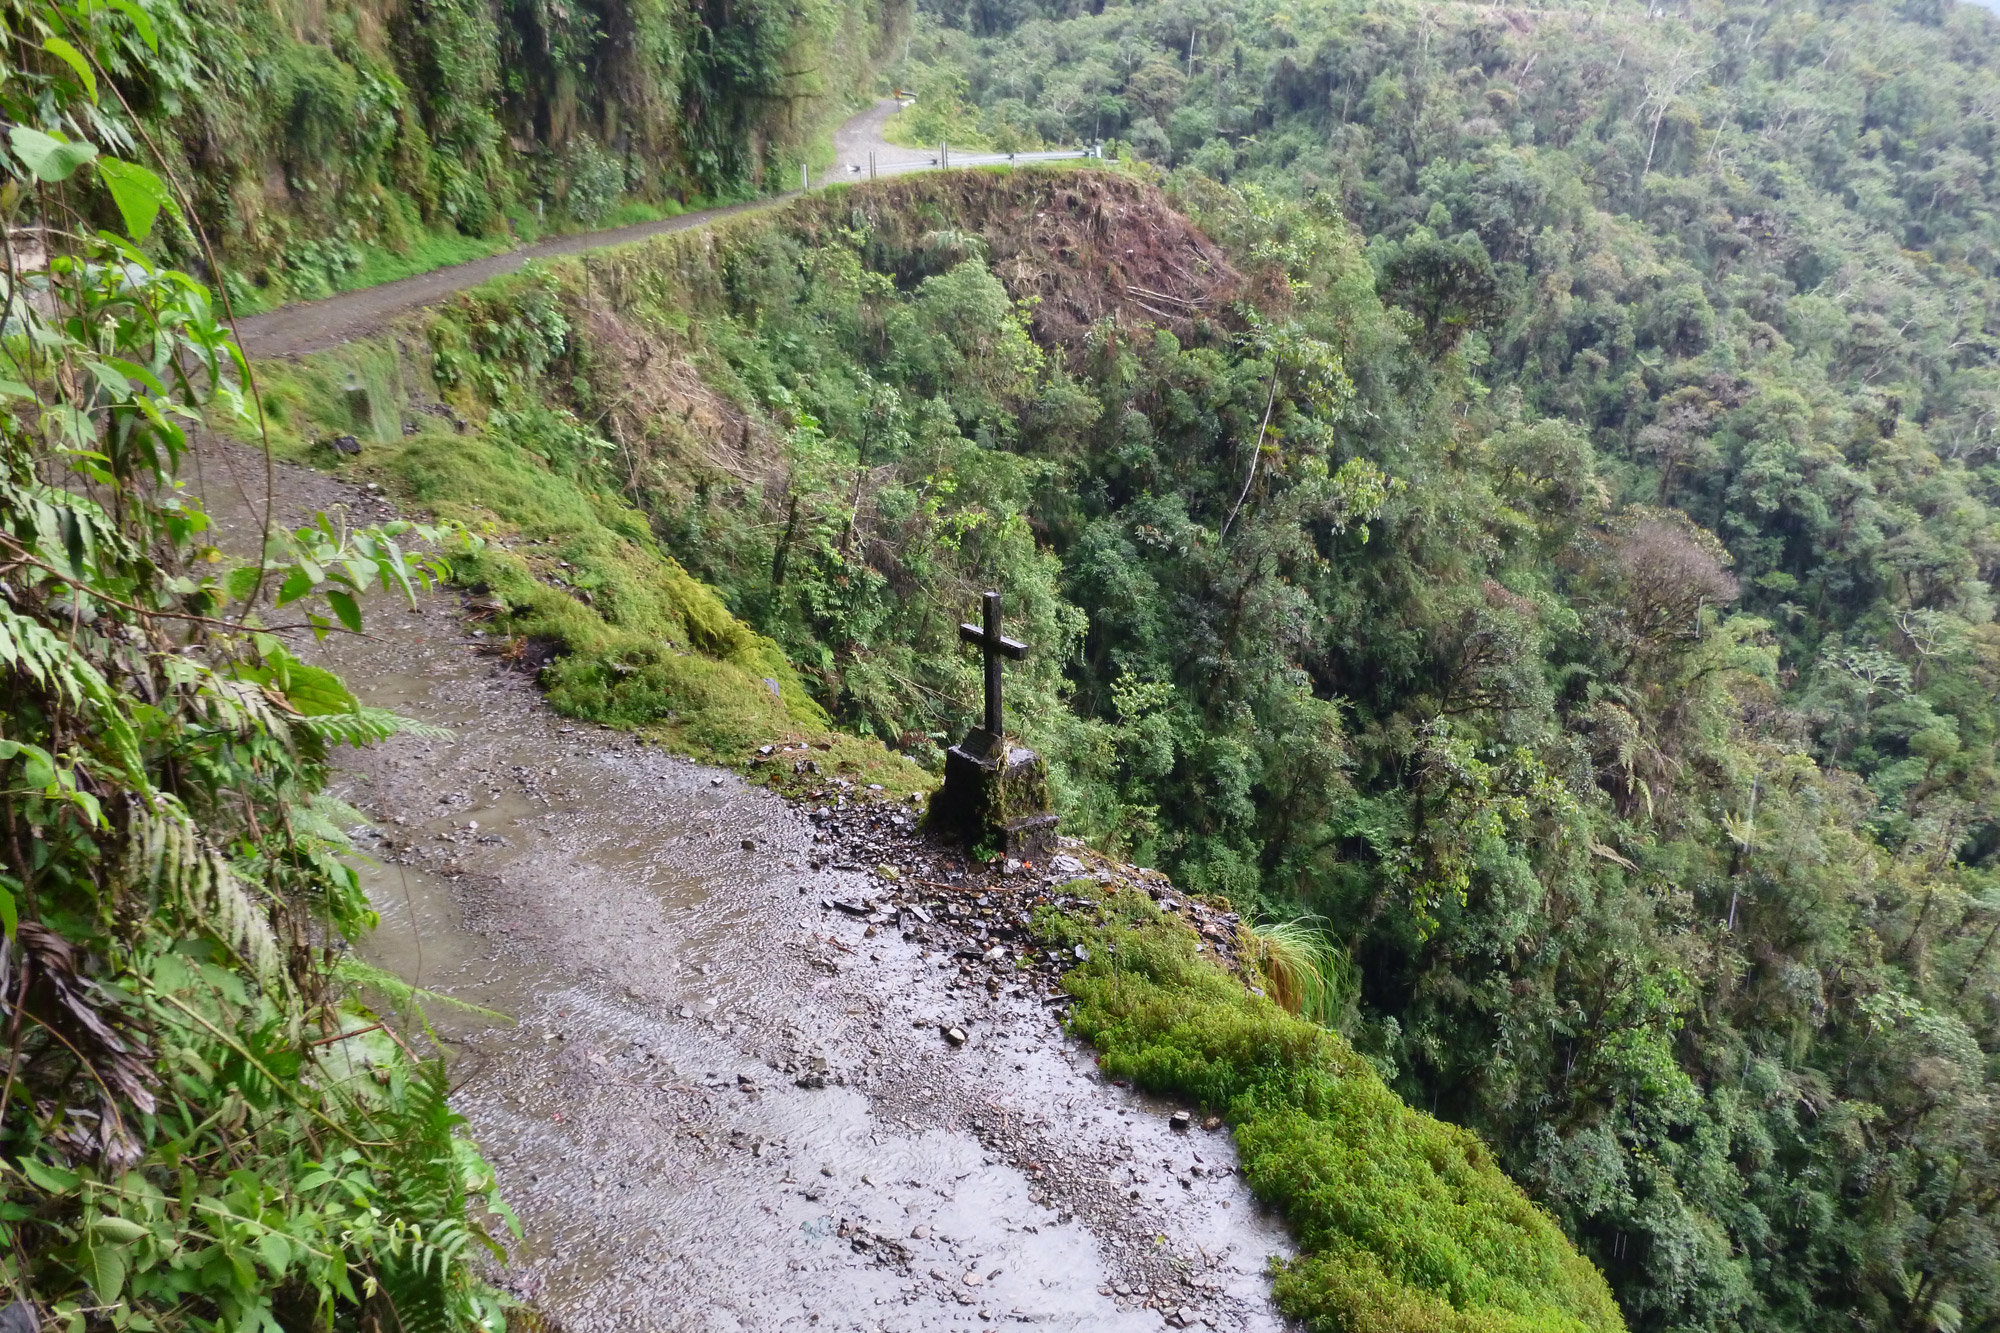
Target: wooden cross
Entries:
(993, 647)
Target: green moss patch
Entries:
(1405, 1224)
(637, 641)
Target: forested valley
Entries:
(1631, 728)
(1596, 637)
(1504, 496)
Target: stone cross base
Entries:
(995, 805)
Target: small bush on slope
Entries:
(1404, 1223)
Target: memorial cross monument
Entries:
(995, 797)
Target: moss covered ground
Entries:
(571, 575)
(1405, 1224)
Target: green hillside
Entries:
(1509, 492)
(327, 145)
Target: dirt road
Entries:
(314, 326)
(724, 1105)
(858, 138)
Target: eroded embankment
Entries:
(618, 410)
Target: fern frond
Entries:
(36, 651)
(235, 706)
(365, 726)
(166, 851)
(337, 812)
(357, 973)
(326, 820)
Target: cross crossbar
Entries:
(993, 646)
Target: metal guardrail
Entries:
(945, 159)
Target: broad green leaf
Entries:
(113, 382)
(39, 771)
(297, 584)
(276, 1252)
(48, 1177)
(240, 582)
(344, 606)
(47, 157)
(133, 370)
(139, 194)
(72, 57)
(87, 803)
(104, 1268)
(309, 689)
(141, 20)
(10, 920)
(117, 1228)
(314, 691)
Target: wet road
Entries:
(721, 1106)
(858, 148)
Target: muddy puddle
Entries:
(719, 1106)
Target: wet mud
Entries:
(719, 1104)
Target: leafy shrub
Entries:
(201, 1126)
(589, 179)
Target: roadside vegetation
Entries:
(201, 1123)
(330, 146)
(1404, 1223)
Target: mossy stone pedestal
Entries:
(995, 798)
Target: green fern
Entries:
(167, 852)
(326, 819)
(33, 649)
(365, 726)
(401, 993)
(424, 1195)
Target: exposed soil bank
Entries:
(725, 1105)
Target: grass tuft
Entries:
(1305, 972)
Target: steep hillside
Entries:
(325, 143)
(850, 416)
(1669, 684)
(1694, 927)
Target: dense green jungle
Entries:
(1506, 494)
(1632, 735)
